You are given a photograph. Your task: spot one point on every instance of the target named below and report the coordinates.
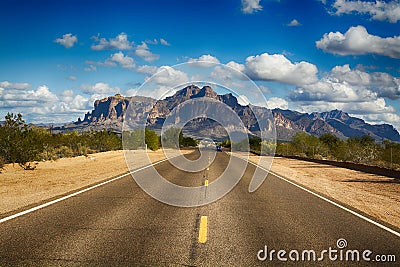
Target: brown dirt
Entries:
(20, 188)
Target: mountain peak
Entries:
(110, 110)
(336, 114)
(193, 91)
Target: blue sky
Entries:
(57, 57)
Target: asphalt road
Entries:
(118, 224)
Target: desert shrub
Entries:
(152, 140)
(268, 147)
(64, 152)
(171, 138)
(188, 141)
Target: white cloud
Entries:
(382, 83)
(378, 10)
(357, 41)
(204, 61)
(71, 78)
(68, 40)
(100, 88)
(243, 100)
(124, 61)
(277, 102)
(144, 52)
(164, 83)
(353, 91)
(164, 42)
(169, 76)
(18, 86)
(67, 95)
(278, 68)
(294, 23)
(343, 84)
(41, 97)
(236, 66)
(154, 41)
(146, 69)
(91, 67)
(120, 42)
(251, 6)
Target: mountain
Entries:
(110, 112)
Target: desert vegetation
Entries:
(24, 144)
(358, 149)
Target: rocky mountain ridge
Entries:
(109, 113)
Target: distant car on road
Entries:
(219, 148)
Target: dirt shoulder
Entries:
(375, 195)
(20, 188)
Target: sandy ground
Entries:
(20, 188)
(375, 195)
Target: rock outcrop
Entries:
(110, 113)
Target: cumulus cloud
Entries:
(378, 10)
(278, 68)
(100, 88)
(236, 66)
(68, 40)
(120, 42)
(21, 98)
(251, 6)
(168, 76)
(124, 61)
(277, 102)
(357, 41)
(352, 90)
(294, 23)
(143, 51)
(204, 61)
(146, 69)
(18, 86)
(383, 84)
(163, 83)
(343, 84)
(264, 67)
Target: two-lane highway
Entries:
(119, 224)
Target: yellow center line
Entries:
(203, 229)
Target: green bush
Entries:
(152, 140)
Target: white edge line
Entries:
(76, 193)
(328, 200)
